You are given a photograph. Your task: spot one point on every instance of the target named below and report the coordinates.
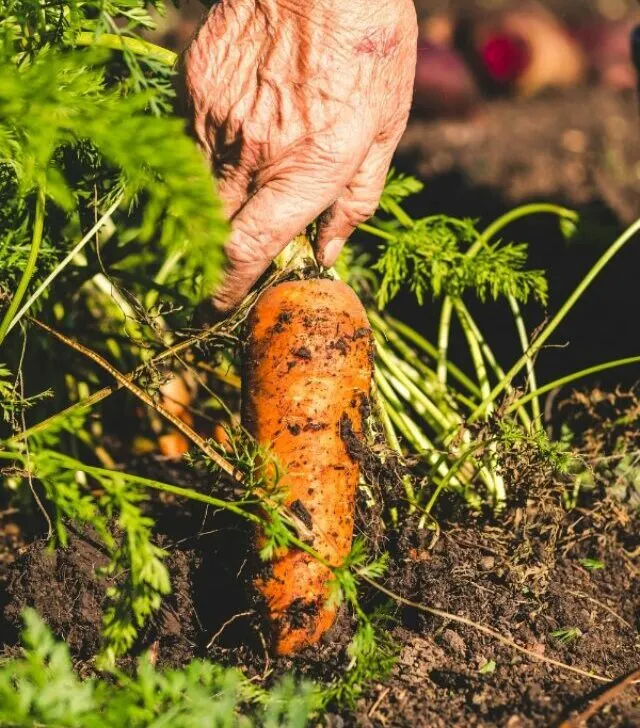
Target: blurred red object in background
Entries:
(525, 50)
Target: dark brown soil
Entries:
(474, 572)
(521, 576)
(579, 147)
(64, 588)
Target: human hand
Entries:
(299, 105)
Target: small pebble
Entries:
(487, 563)
(454, 641)
(574, 140)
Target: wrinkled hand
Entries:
(299, 105)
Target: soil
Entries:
(439, 679)
(524, 575)
(579, 148)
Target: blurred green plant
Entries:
(41, 688)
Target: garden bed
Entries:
(563, 585)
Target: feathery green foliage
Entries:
(12, 403)
(31, 26)
(41, 688)
(57, 114)
(430, 257)
(398, 187)
(136, 569)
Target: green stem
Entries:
(558, 318)
(423, 446)
(423, 378)
(400, 214)
(535, 208)
(474, 349)
(173, 489)
(536, 424)
(27, 273)
(137, 46)
(233, 507)
(490, 357)
(64, 262)
(387, 425)
(439, 420)
(492, 478)
(571, 378)
(420, 442)
(431, 350)
(493, 229)
(421, 374)
(443, 339)
(376, 231)
(394, 442)
(451, 473)
(400, 419)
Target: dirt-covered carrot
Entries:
(306, 387)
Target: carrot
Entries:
(176, 396)
(173, 445)
(221, 436)
(306, 383)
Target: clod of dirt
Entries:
(526, 579)
(64, 588)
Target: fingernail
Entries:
(332, 251)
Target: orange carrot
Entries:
(176, 398)
(306, 384)
(173, 445)
(221, 436)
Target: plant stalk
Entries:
(558, 318)
(536, 423)
(513, 215)
(431, 350)
(64, 262)
(571, 378)
(29, 269)
(443, 339)
(137, 46)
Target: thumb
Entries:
(262, 229)
(357, 203)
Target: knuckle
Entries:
(246, 247)
(360, 210)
